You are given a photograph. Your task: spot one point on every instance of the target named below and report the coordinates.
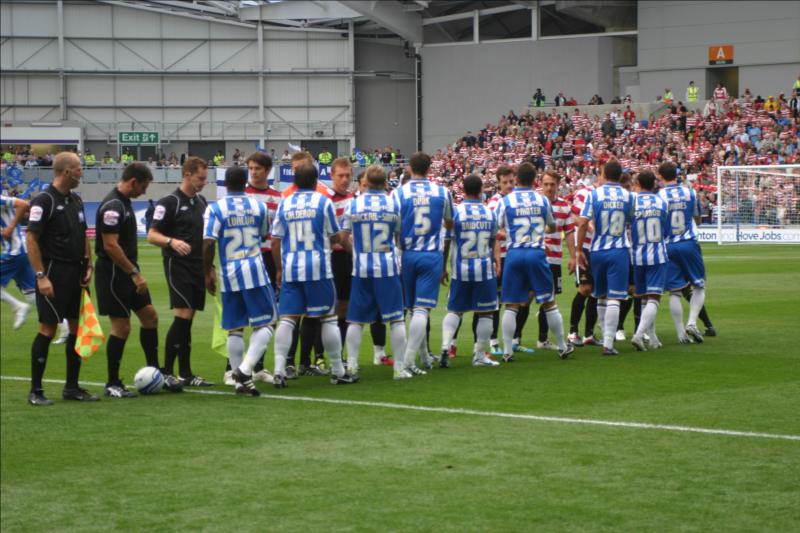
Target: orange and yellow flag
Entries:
(90, 334)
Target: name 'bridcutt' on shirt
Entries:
(238, 223)
(474, 229)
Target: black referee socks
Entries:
(178, 341)
(73, 363)
(41, 344)
(114, 349)
(149, 341)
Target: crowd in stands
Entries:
(733, 131)
(727, 131)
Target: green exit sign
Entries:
(139, 137)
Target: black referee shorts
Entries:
(556, 270)
(269, 263)
(342, 266)
(585, 274)
(66, 300)
(186, 283)
(116, 291)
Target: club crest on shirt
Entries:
(158, 214)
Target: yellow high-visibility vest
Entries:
(691, 93)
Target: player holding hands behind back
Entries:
(238, 223)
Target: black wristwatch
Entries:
(40, 275)
(133, 272)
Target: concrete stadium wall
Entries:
(466, 86)
(384, 106)
(674, 38)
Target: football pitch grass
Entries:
(702, 437)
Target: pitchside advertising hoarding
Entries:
(749, 234)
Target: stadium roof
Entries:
(417, 21)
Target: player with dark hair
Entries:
(178, 230)
(425, 209)
(61, 258)
(686, 265)
(473, 286)
(121, 287)
(650, 259)
(526, 216)
(238, 224)
(609, 208)
(304, 229)
(583, 281)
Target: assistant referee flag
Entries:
(90, 334)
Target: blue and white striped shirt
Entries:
(16, 244)
(374, 220)
(305, 222)
(683, 207)
(648, 229)
(524, 213)
(474, 229)
(610, 208)
(238, 223)
(423, 208)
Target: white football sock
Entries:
(676, 310)
(649, 313)
(259, 340)
(601, 314)
(9, 299)
(235, 348)
(556, 325)
(416, 336)
(696, 304)
(283, 342)
(508, 325)
(483, 330)
(449, 327)
(30, 296)
(398, 340)
(610, 324)
(332, 344)
(353, 340)
(378, 351)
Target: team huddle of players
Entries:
(344, 260)
(403, 244)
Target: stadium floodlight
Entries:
(758, 204)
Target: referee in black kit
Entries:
(120, 287)
(177, 228)
(61, 258)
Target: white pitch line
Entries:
(491, 414)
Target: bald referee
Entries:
(61, 258)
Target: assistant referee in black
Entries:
(120, 287)
(177, 228)
(61, 258)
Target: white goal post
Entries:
(757, 204)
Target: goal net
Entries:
(758, 204)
